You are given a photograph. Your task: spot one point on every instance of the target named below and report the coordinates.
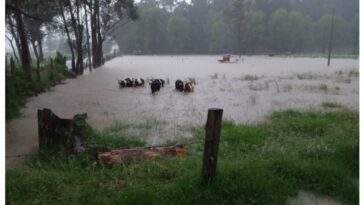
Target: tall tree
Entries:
(107, 16)
(254, 30)
(15, 11)
(279, 30)
(177, 30)
(220, 38)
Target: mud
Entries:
(247, 91)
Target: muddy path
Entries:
(247, 91)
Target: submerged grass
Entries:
(19, 87)
(262, 164)
(331, 105)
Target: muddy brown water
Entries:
(282, 83)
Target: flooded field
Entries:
(247, 90)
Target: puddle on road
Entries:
(278, 83)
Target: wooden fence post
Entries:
(12, 67)
(212, 139)
(51, 76)
(331, 33)
(38, 70)
(6, 61)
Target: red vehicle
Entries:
(225, 59)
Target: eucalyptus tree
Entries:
(105, 17)
(178, 32)
(15, 19)
(254, 30)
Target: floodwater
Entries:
(247, 90)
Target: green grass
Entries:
(19, 87)
(262, 164)
(331, 105)
(249, 77)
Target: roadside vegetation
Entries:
(19, 87)
(258, 164)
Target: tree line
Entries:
(241, 26)
(85, 23)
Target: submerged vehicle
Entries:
(228, 58)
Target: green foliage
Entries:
(254, 29)
(177, 30)
(19, 87)
(262, 164)
(220, 38)
(244, 27)
(331, 105)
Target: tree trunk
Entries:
(40, 49)
(68, 38)
(35, 50)
(88, 41)
(25, 54)
(75, 29)
(13, 48)
(16, 38)
(57, 134)
(95, 35)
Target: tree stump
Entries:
(57, 134)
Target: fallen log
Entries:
(123, 156)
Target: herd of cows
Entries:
(157, 84)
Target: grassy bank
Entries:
(262, 164)
(19, 87)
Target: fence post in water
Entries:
(212, 139)
(331, 34)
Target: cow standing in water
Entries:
(155, 85)
(179, 85)
(131, 82)
(188, 87)
(138, 82)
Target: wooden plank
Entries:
(123, 156)
(212, 139)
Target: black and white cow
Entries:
(179, 85)
(155, 85)
(130, 82)
(138, 82)
(122, 83)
